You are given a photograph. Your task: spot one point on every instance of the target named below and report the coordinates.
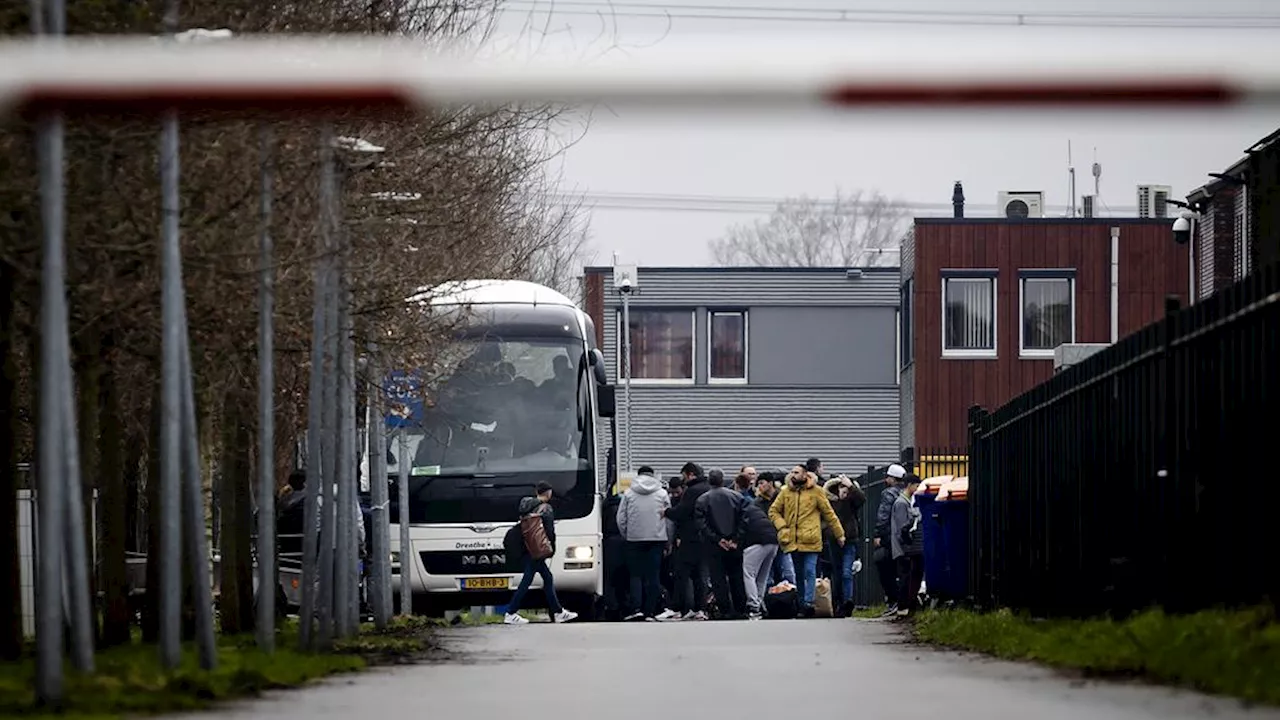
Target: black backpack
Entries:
(783, 605)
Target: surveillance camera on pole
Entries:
(1182, 227)
(625, 281)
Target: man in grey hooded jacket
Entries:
(642, 524)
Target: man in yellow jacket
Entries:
(797, 513)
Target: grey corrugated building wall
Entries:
(906, 337)
(818, 348)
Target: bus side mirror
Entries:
(597, 367)
(606, 400)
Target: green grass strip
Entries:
(130, 681)
(1234, 653)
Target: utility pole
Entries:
(626, 281)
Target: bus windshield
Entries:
(515, 411)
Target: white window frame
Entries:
(1047, 274)
(746, 348)
(964, 353)
(693, 338)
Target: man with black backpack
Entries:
(536, 535)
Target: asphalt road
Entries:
(769, 670)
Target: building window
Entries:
(968, 314)
(906, 347)
(1047, 311)
(661, 345)
(727, 358)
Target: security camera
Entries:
(1182, 229)
(624, 285)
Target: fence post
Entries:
(977, 531)
(268, 578)
(908, 459)
(1171, 307)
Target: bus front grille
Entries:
(469, 562)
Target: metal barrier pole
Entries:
(406, 545)
(316, 478)
(329, 397)
(171, 404)
(51, 498)
(56, 349)
(193, 508)
(76, 556)
(380, 543)
(351, 440)
(344, 590)
(268, 579)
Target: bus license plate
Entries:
(486, 583)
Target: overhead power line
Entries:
(761, 13)
(668, 202)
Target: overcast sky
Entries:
(908, 157)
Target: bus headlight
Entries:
(395, 558)
(581, 552)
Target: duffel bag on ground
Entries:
(782, 605)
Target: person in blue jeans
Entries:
(540, 504)
(798, 513)
(847, 498)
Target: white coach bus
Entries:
(520, 406)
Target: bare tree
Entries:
(854, 229)
(457, 193)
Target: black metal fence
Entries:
(1140, 477)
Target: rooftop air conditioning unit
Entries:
(1153, 201)
(1018, 204)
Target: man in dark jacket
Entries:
(886, 567)
(690, 597)
(616, 579)
(539, 505)
(721, 518)
(760, 540)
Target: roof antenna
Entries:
(1097, 175)
(1071, 180)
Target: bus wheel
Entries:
(585, 604)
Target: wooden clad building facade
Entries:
(986, 300)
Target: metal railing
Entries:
(1132, 479)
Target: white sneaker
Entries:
(636, 616)
(699, 615)
(564, 616)
(514, 619)
(668, 614)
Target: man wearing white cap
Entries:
(886, 567)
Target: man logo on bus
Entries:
(493, 559)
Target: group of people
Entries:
(701, 546)
(697, 547)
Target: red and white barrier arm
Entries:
(918, 69)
